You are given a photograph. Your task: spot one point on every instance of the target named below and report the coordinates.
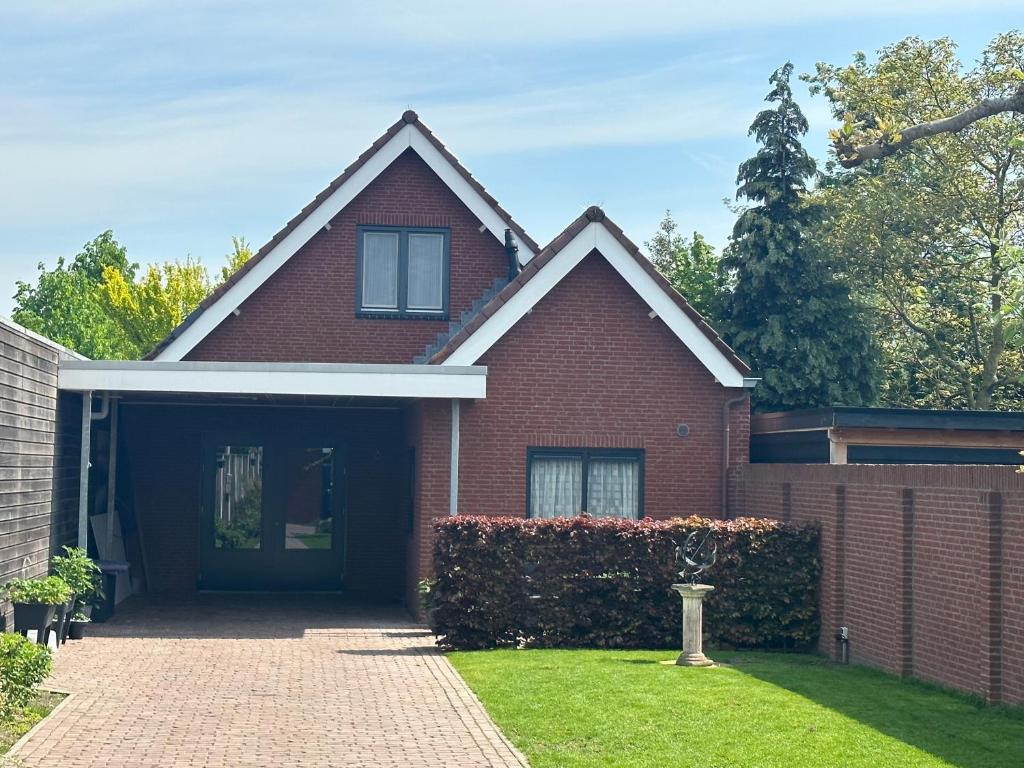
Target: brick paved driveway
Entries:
(262, 681)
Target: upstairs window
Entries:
(563, 482)
(402, 272)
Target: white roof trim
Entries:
(60, 349)
(596, 235)
(408, 136)
(419, 381)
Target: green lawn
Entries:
(570, 709)
(40, 706)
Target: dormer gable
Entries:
(398, 207)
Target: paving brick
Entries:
(260, 680)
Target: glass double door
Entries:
(273, 513)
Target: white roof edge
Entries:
(354, 380)
(409, 136)
(597, 236)
(262, 367)
(62, 351)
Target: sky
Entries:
(180, 124)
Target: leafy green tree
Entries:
(105, 307)
(931, 234)
(64, 303)
(149, 308)
(789, 314)
(691, 266)
(240, 253)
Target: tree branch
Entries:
(851, 155)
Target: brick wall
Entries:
(429, 432)
(306, 311)
(924, 564)
(588, 367)
(38, 457)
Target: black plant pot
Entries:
(29, 616)
(77, 629)
(61, 620)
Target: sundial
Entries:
(697, 554)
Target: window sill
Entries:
(365, 314)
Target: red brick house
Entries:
(403, 350)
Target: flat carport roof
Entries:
(298, 379)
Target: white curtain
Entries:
(380, 270)
(613, 488)
(556, 486)
(426, 271)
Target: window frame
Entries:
(586, 455)
(403, 312)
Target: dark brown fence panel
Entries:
(39, 444)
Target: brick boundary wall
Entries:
(924, 564)
(39, 454)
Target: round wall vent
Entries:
(683, 430)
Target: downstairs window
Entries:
(563, 482)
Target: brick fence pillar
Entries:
(906, 643)
(993, 584)
(839, 560)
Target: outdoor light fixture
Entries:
(683, 430)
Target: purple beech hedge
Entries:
(583, 582)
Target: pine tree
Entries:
(790, 316)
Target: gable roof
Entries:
(408, 133)
(593, 231)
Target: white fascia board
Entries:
(535, 289)
(406, 381)
(595, 235)
(675, 318)
(408, 136)
(464, 191)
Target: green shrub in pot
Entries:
(76, 630)
(35, 601)
(79, 571)
(83, 576)
(52, 590)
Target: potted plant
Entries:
(77, 625)
(35, 601)
(81, 574)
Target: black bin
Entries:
(103, 609)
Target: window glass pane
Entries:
(238, 510)
(556, 486)
(380, 270)
(309, 513)
(426, 271)
(613, 488)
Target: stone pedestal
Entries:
(693, 625)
